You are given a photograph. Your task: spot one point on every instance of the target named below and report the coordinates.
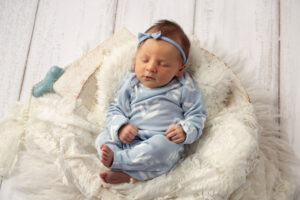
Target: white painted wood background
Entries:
(36, 34)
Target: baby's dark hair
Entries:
(173, 31)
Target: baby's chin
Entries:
(152, 84)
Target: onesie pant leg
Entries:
(148, 159)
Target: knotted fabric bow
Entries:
(144, 36)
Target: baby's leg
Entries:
(106, 148)
(109, 176)
(105, 138)
(149, 159)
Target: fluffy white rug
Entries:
(239, 156)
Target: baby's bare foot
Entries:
(107, 155)
(114, 177)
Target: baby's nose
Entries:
(151, 67)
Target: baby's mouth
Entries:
(148, 78)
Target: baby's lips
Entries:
(149, 78)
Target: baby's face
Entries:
(157, 62)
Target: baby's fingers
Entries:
(131, 130)
(126, 140)
(170, 135)
(170, 129)
(177, 140)
(130, 136)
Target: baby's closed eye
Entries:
(163, 64)
(144, 60)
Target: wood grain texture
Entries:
(138, 16)
(290, 71)
(16, 25)
(64, 31)
(246, 28)
(36, 34)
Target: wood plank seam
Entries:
(115, 17)
(28, 51)
(279, 53)
(194, 17)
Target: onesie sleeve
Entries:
(194, 111)
(119, 110)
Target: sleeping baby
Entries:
(157, 109)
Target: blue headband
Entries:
(157, 35)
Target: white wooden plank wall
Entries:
(290, 71)
(36, 34)
(16, 27)
(63, 30)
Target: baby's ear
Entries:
(181, 70)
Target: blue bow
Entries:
(144, 36)
(156, 36)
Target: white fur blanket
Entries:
(239, 156)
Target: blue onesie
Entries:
(152, 111)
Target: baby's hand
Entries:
(176, 134)
(127, 133)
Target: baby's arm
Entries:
(127, 133)
(119, 109)
(194, 111)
